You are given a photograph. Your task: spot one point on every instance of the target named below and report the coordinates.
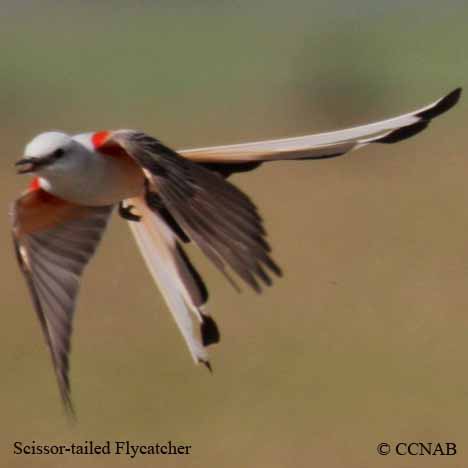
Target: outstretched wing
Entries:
(213, 213)
(245, 156)
(179, 282)
(216, 215)
(54, 240)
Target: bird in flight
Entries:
(169, 198)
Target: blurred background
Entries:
(365, 338)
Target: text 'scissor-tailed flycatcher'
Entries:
(169, 198)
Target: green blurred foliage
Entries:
(364, 340)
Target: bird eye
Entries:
(58, 153)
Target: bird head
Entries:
(48, 152)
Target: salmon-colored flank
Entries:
(34, 185)
(100, 138)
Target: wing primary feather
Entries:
(215, 214)
(52, 256)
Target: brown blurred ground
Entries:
(365, 338)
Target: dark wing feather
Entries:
(215, 214)
(52, 257)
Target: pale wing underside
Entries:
(54, 241)
(328, 144)
(172, 272)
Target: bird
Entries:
(169, 198)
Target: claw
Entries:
(126, 212)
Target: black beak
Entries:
(27, 165)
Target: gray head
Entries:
(49, 152)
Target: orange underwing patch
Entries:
(39, 210)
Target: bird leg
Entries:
(126, 212)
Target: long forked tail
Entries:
(246, 156)
(180, 284)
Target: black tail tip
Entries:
(207, 365)
(455, 95)
(440, 107)
(443, 105)
(209, 331)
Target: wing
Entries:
(213, 213)
(180, 284)
(54, 240)
(324, 145)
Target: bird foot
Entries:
(126, 213)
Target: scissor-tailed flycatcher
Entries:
(178, 197)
